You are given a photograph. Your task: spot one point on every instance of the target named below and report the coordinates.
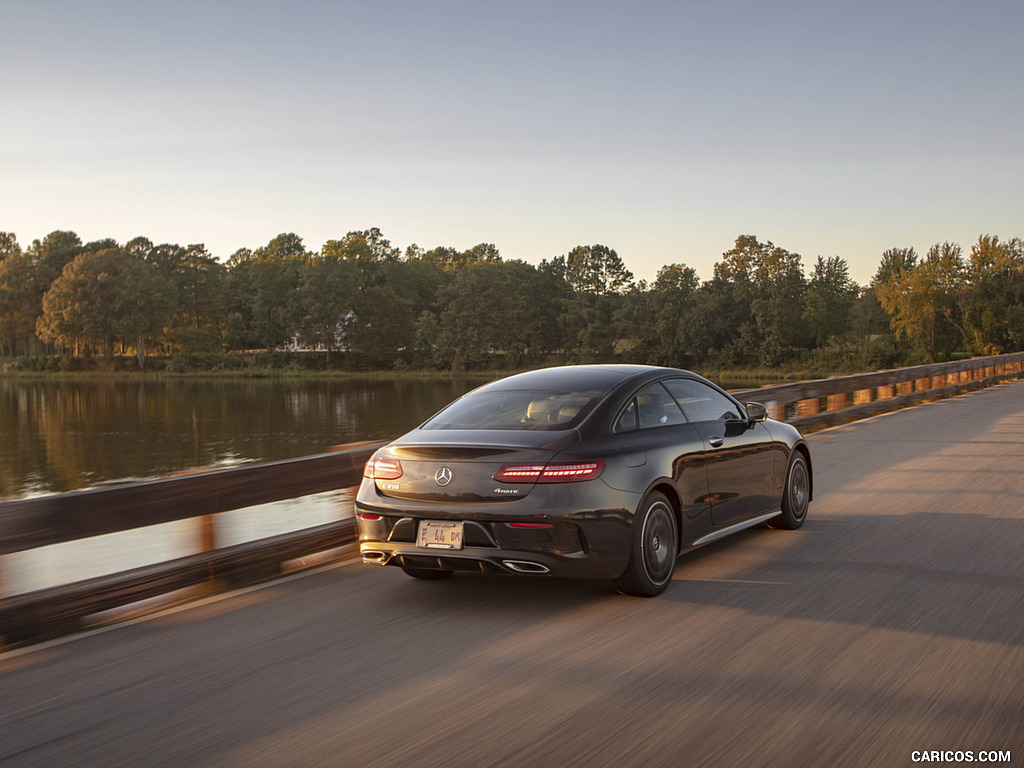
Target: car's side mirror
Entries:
(756, 412)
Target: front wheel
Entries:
(796, 496)
(655, 546)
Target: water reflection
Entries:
(63, 435)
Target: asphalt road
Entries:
(890, 624)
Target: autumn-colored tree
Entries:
(994, 306)
(925, 300)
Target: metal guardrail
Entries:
(30, 523)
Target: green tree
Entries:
(19, 295)
(595, 269)
(450, 259)
(599, 282)
(195, 283)
(103, 298)
(383, 323)
(492, 308)
(200, 282)
(659, 319)
(994, 306)
(261, 285)
(758, 289)
(416, 282)
(139, 247)
(53, 252)
(364, 246)
(326, 297)
(830, 296)
(428, 331)
(895, 263)
(285, 246)
(442, 257)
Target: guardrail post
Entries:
(207, 533)
(808, 407)
(886, 391)
(862, 396)
(837, 402)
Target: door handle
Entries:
(716, 442)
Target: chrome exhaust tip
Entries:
(525, 566)
(375, 557)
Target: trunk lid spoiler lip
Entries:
(487, 440)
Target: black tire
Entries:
(796, 496)
(427, 574)
(655, 548)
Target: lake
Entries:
(61, 435)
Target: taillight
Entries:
(549, 473)
(383, 469)
(369, 516)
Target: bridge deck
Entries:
(890, 623)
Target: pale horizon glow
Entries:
(663, 130)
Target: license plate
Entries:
(439, 535)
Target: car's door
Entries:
(652, 432)
(739, 456)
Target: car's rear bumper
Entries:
(590, 545)
(475, 560)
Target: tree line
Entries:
(362, 297)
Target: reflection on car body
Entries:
(601, 471)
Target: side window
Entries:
(652, 407)
(700, 402)
(627, 419)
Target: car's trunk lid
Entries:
(455, 467)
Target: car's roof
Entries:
(573, 378)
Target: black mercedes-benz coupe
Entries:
(591, 471)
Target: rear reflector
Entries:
(369, 516)
(530, 525)
(549, 473)
(383, 469)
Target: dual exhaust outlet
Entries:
(525, 566)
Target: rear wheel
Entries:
(655, 547)
(796, 496)
(427, 574)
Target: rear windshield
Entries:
(516, 410)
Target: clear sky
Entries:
(661, 129)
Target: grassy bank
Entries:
(305, 365)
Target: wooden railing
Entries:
(826, 402)
(31, 523)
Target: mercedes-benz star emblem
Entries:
(443, 476)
